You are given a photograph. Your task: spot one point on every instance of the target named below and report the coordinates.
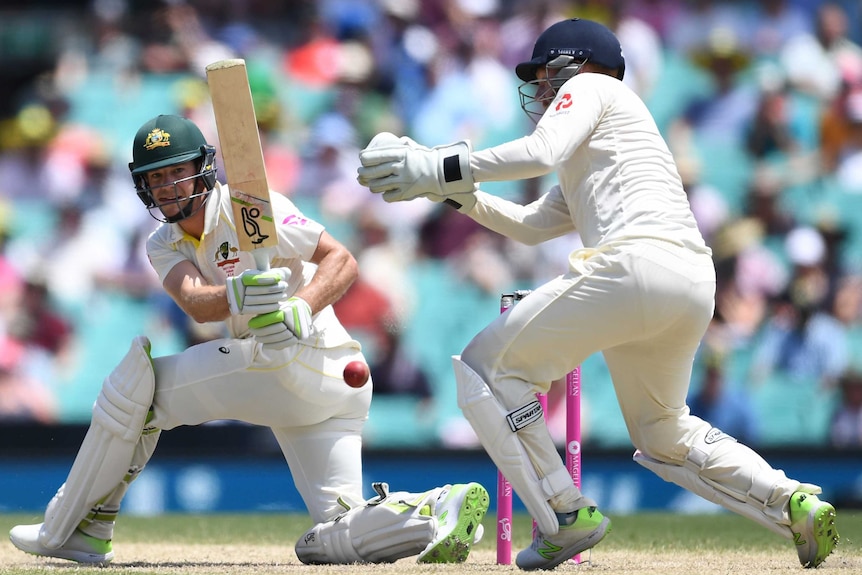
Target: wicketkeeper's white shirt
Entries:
(617, 177)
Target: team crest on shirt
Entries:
(226, 257)
(562, 104)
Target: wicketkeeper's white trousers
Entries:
(645, 306)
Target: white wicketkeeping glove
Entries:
(256, 292)
(402, 170)
(461, 202)
(279, 329)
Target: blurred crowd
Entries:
(760, 101)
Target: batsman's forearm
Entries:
(200, 300)
(335, 273)
(206, 304)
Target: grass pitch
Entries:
(262, 544)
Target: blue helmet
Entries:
(564, 48)
(580, 41)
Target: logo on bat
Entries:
(250, 215)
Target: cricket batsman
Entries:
(284, 372)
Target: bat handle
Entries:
(261, 258)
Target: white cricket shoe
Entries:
(79, 547)
(546, 552)
(459, 513)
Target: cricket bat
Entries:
(241, 151)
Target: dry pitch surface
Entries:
(250, 545)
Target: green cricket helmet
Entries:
(164, 141)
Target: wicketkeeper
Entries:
(641, 291)
(284, 373)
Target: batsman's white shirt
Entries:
(217, 256)
(298, 392)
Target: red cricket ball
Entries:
(356, 374)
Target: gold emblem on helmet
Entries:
(158, 138)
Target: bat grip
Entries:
(261, 258)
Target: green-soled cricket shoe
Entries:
(812, 522)
(547, 551)
(459, 513)
(80, 547)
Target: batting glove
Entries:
(256, 292)
(279, 329)
(403, 170)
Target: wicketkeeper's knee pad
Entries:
(728, 473)
(119, 416)
(384, 529)
(496, 428)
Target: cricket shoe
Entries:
(547, 551)
(79, 547)
(813, 525)
(459, 513)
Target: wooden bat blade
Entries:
(241, 151)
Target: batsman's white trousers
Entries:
(298, 392)
(646, 306)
